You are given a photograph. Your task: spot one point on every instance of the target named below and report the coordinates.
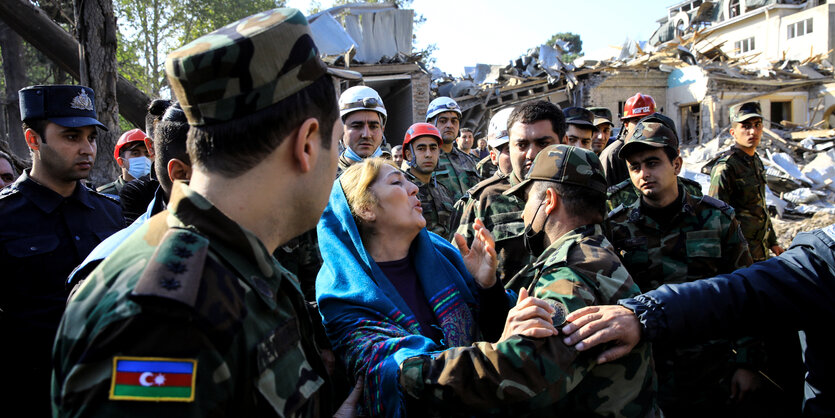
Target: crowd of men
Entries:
(218, 186)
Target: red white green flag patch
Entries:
(153, 379)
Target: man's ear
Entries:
(178, 170)
(564, 139)
(306, 144)
(149, 144)
(677, 164)
(33, 140)
(120, 161)
(552, 200)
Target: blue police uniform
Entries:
(794, 291)
(43, 236)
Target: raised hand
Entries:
(480, 259)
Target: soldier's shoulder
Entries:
(618, 214)
(714, 204)
(10, 193)
(485, 184)
(104, 198)
(619, 187)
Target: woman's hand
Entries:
(481, 260)
(530, 317)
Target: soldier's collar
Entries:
(47, 199)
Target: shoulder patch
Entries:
(153, 379)
(718, 204)
(176, 267)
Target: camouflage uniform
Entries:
(624, 193)
(113, 188)
(543, 377)
(739, 180)
(456, 171)
(436, 202)
(189, 285)
(485, 168)
(502, 216)
(192, 309)
(703, 240)
(343, 164)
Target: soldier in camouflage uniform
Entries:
(486, 167)
(671, 236)
(501, 215)
(542, 377)
(456, 169)
(192, 309)
(421, 148)
(738, 178)
(625, 193)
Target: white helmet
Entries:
(361, 98)
(497, 134)
(441, 105)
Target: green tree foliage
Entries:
(575, 48)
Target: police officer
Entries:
(501, 215)
(132, 156)
(421, 149)
(364, 118)
(581, 129)
(634, 109)
(604, 125)
(625, 193)
(576, 267)
(49, 221)
(671, 236)
(738, 178)
(456, 169)
(798, 285)
(193, 309)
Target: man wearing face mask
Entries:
(364, 119)
(421, 148)
(133, 158)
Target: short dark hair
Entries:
(462, 130)
(234, 147)
(170, 137)
(580, 202)
(37, 125)
(670, 152)
(536, 111)
(155, 111)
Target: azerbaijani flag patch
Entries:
(153, 379)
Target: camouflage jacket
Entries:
(437, 204)
(113, 188)
(485, 168)
(456, 171)
(193, 310)
(343, 163)
(739, 180)
(524, 376)
(614, 166)
(703, 240)
(625, 193)
(502, 216)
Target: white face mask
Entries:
(139, 166)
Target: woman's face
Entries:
(398, 205)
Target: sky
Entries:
(495, 32)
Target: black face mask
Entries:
(534, 241)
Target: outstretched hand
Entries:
(480, 259)
(348, 409)
(530, 317)
(595, 325)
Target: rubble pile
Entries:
(787, 229)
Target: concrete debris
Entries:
(787, 229)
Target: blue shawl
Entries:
(369, 324)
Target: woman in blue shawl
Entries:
(390, 290)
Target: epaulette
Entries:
(484, 183)
(619, 210)
(708, 167)
(176, 267)
(94, 192)
(8, 191)
(718, 204)
(618, 187)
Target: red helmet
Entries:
(637, 106)
(420, 129)
(132, 135)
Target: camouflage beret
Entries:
(745, 111)
(245, 66)
(653, 134)
(564, 164)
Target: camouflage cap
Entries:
(579, 116)
(565, 164)
(601, 115)
(653, 134)
(246, 66)
(746, 111)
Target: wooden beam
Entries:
(35, 27)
